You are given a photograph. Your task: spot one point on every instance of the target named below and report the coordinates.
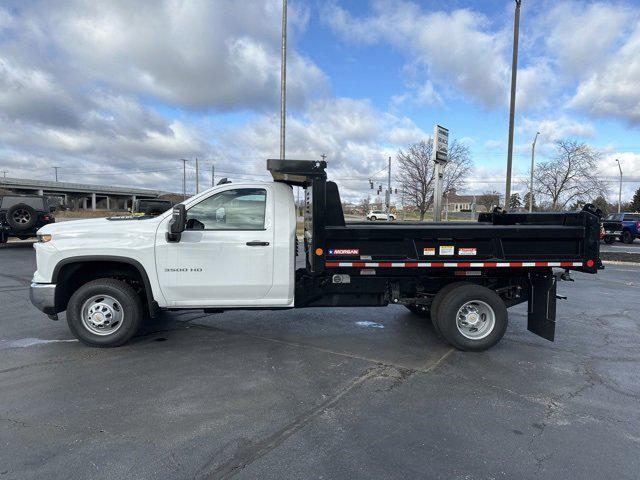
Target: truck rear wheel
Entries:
(105, 313)
(471, 317)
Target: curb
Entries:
(620, 262)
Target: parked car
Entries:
(374, 215)
(151, 207)
(22, 215)
(625, 226)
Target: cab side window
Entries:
(238, 209)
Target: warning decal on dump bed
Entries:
(467, 251)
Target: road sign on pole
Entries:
(440, 152)
(440, 155)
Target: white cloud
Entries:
(196, 55)
(614, 91)
(581, 37)
(356, 137)
(556, 129)
(608, 168)
(471, 61)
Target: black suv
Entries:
(22, 215)
(152, 206)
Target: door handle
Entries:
(257, 243)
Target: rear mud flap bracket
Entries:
(542, 306)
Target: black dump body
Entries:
(408, 262)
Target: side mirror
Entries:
(177, 224)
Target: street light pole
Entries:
(533, 152)
(283, 80)
(512, 106)
(197, 177)
(184, 178)
(56, 170)
(620, 188)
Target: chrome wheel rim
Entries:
(475, 320)
(102, 315)
(21, 216)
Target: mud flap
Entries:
(542, 305)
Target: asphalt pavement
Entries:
(322, 393)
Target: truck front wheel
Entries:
(471, 317)
(105, 313)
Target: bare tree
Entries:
(365, 204)
(570, 176)
(488, 200)
(417, 173)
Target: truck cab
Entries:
(234, 247)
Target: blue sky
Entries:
(96, 87)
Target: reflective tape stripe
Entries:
(451, 264)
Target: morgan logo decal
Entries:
(344, 251)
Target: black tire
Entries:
(438, 300)
(373, 218)
(128, 301)
(420, 310)
(454, 300)
(626, 237)
(21, 217)
(3, 238)
(609, 240)
(392, 218)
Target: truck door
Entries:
(225, 256)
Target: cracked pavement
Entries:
(313, 394)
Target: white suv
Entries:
(374, 215)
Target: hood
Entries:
(99, 226)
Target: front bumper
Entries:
(43, 297)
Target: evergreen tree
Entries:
(514, 201)
(635, 202)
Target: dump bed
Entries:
(496, 241)
(568, 240)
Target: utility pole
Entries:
(4, 174)
(512, 106)
(323, 156)
(533, 152)
(388, 195)
(197, 177)
(213, 174)
(56, 170)
(184, 178)
(620, 188)
(283, 80)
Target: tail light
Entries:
(46, 218)
(638, 225)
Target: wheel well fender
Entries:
(70, 274)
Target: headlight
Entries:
(44, 238)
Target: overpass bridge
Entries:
(80, 195)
